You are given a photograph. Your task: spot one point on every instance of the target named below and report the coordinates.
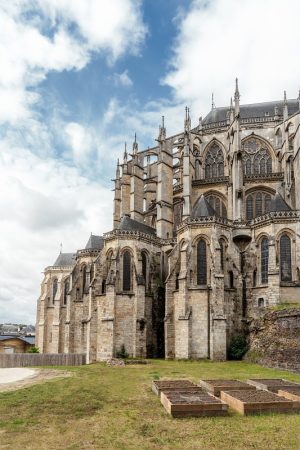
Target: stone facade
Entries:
(206, 234)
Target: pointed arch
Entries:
(201, 262)
(285, 258)
(214, 160)
(54, 289)
(257, 156)
(264, 260)
(127, 271)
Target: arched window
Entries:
(257, 159)
(285, 258)
(231, 279)
(222, 254)
(257, 204)
(264, 260)
(126, 271)
(217, 204)
(144, 267)
(214, 162)
(84, 279)
(66, 290)
(201, 262)
(54, 289)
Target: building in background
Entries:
(206, 234)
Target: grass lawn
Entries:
(114, 408)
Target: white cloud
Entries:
(43, 202)
(32, 45)
(122, 79)
(255, 40)
(80, 140)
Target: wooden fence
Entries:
(41, 359)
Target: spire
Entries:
(61, 247)
(125, 154)
(285, 107)
(187, 121)
(231, 110)
(213, 106)
(200, 124)
(118, 169)
(135, 146)
(237, 98)
(162, 130)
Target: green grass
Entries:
(282, 306)
(113, 408)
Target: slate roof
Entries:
(95, 242)
(65, 259)
(278, 204)
(203, 208)
(129, 224)
(28, 339)
(252, 110)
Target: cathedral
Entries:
(205, 237)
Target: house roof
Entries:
(252, 110)
(203, 208)
(28, 339)
(129, 224)
(65, 259)
(95, 242)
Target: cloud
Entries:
(218, 40)
(122, 79)
(37, 37)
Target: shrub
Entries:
(237, 348)
(122, 352)
(33, 350)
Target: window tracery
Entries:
(214, 162)
(217, 204)
(257, 204)
(256, 157)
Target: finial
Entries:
(125, 153)
(284, 96)
(213, 106)
(135, 137)
(231, 103)
(237, 93)
(163, 121)
(134, 146)
(61, 247)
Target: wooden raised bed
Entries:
(170, 385)
(271, 384)
(258, 401)
(291, 393)
(198, 403)
(216, 386)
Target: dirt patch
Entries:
(256, 396)
(39, 376)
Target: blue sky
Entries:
(80, 77)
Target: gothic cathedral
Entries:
(206, 236)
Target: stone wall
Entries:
(275, 339)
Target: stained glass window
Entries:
(285, 258)
(264, 260)
(126, 271)
(84, 278)
(214, 162)
(201, 262)
(258, 204)
(256, 157)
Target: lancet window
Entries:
(285, 258)
(264, 259)
(257, 158)
(54, 289)
(201, 262)
(66, 290)
(214, 162)
(126, 271)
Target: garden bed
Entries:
(216, 386)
